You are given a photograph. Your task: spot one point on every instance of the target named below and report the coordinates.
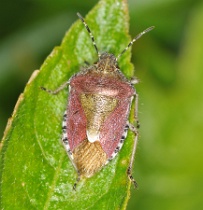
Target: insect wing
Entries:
(114, 127)
(76, 120)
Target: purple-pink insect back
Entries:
(95, 123)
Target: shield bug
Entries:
(95, 123)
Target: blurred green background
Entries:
(169, 64)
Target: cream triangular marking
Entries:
(92, 136)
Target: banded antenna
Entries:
(90, 33)
(129, 45)
(135, 39)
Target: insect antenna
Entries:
(135, 39)
(90, 33)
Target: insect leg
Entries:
(54, 92)
(129, 171)
(136, 111)
(75, 184)
(134, 129)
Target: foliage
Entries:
(168, 63)
(36, 172)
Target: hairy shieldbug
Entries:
(95, 123)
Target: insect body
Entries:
(95, 123)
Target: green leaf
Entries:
(35, 170)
